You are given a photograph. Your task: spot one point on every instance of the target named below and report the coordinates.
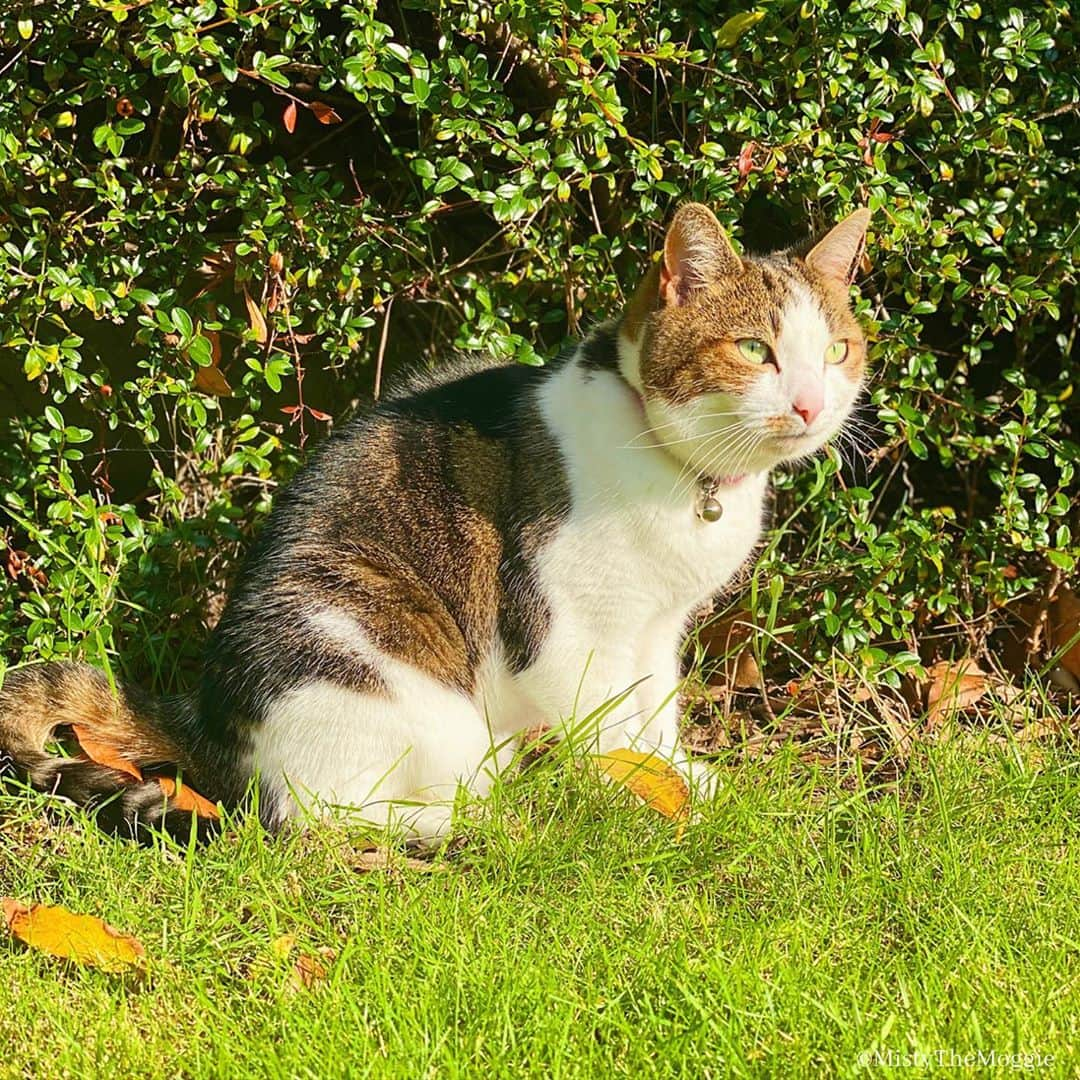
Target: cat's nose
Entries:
(808, 406)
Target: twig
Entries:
(382, 348)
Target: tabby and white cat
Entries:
(492, 549)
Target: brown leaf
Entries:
(305, 971)
(82, 938)
(104, 754)
(953, 687)
(651, 779)
(288, 117)
(210, 381)
(382, 858)
(1065, 627)
(255, 318)
(323, 113)
(182, 797)
(729, 639)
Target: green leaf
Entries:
(736, 26)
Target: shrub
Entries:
(205, 203)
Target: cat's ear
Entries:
(696, 252)
(836, 254)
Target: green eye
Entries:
(836, 353)
(755, 351)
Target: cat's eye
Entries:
(756, 351)
(836, 353)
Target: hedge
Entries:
(225, 225)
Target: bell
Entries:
(711, 510)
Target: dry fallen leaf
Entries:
(953, 687)
(305, 971)
(183, 797)
(104, 754)
(1065, 628)
(728, 639)
(651, 779)
(255, 318)
(382, 858)
(82, 938)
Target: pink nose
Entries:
(808, 406)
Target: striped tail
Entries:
(37, 702)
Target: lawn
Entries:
(800, 923)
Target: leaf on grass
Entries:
(651, 779)
(382, 858)
(306, 970)
(736, 26)
(953, 687)
(103, 754)
(82, 938)
(210, 381)
(183, 797)
(288, 117)
(323, 113)
(255, 318)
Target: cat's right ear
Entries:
(697, 251)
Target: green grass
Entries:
(795, 925)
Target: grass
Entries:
(796, 926)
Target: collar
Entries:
(707, 505)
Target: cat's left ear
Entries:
(837, 253)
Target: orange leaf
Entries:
(210, 381)
(104, 754)
(82, 938)
(651, 779)
(183, 797)
(323, 113)
(288, 117)
(255, 318)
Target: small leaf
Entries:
(953, 687)
(82, 938)
(103, 754)
(736, 26)
(382, 858)
(650, 778)
(288, 117)
(210, 381)
(182, 797)
(323, 113)
(255, 318)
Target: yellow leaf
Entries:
(255, 318)
(82, 938)
(736, 26)
(650, 778)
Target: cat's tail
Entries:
(136, 728)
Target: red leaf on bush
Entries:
(288, 117)
(323, 113)
(319, 414)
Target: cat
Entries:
(489, 549)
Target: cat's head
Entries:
(745, 362)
